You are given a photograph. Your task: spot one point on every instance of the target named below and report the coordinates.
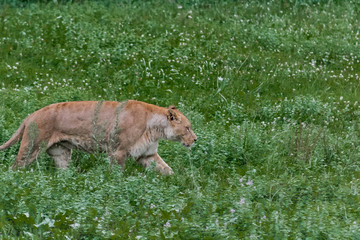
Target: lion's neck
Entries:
(157, 126)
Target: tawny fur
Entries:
(130, 128)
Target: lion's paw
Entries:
(167, 171)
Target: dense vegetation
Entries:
(271, 88)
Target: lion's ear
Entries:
(172, 115)
(172, 107)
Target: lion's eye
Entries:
(188, 129)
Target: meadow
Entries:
(272, 91)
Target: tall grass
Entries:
(272, 92)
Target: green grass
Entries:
(272, 91)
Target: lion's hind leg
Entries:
(60, 154)
(25, 157)
(28, 152)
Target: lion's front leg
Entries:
(160, 166)
(118, 156)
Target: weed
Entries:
(271, 89)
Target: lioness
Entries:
(120, 129)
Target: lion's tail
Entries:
(15, 137)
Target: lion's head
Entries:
(180, 128)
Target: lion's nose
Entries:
(195, 139)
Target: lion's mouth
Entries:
(186, 144)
